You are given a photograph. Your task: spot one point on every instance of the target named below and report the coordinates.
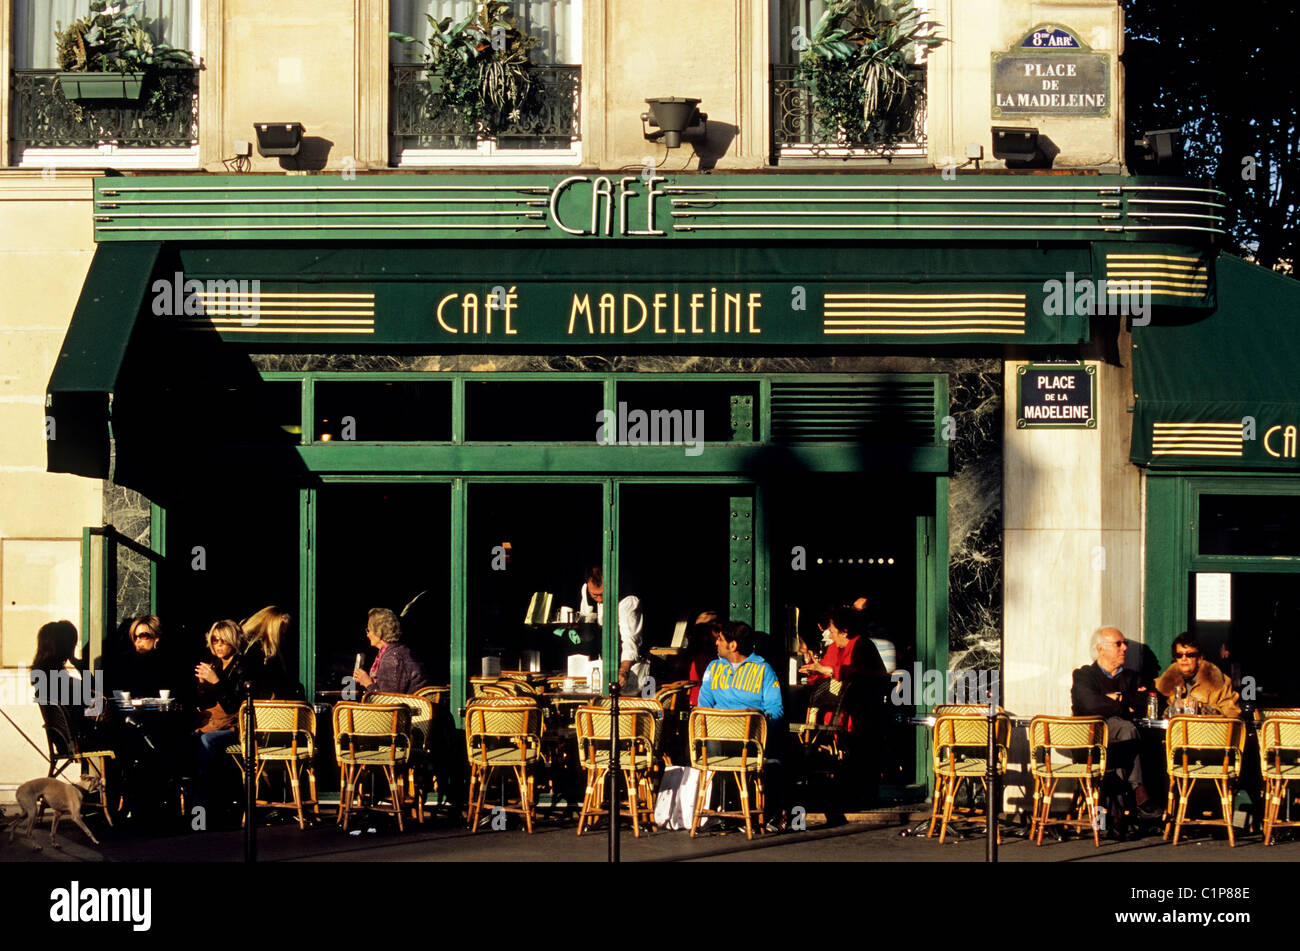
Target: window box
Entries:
(43, 117)
(425, 128)
(101, 85)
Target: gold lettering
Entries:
(660, 303)
(512, 304)
(442, 323)
(579, 307)
(677, 327)
(755, 303)
(697, 305)
(469, 313)
(607, 322)
(1289, 442)
(713, 310)
(1267, 436)
(727, 301)
(627, 299)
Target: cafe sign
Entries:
(1050, 72)
(1055, 396)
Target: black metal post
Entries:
(250, 776)
(615, 772)
(994, 798)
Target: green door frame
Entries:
(1172, 556)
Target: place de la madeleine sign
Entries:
(1051, 72)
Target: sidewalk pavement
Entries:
(445, 840)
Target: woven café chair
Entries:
(960, 752)
(284, 732)
(65, 750)
(438, 696)
(638, 744)
(742, 737)
(1279, 760)
(506, 734)
(1201, 748)
(1075, 737)
(675, 699)
(478, 687)
(371, 736)
(419, 763)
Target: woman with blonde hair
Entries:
(220, 691)
(265, 634)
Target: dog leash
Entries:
(25, 736)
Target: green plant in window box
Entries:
(858, 70)
(480, 68)
(111, 54)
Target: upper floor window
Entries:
(475, 83)
(848, 78)
(72, 108)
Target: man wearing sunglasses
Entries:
(1193, 677)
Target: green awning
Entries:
(85, 375)
(1222, 391)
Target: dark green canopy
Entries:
(1222, 391)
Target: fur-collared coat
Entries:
(1211, 687)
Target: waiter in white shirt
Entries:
(632, 669)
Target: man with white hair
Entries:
(1106, 688)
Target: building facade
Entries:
(442, 360)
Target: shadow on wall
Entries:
(715, 143)
(312, 156)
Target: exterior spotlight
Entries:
(672, 116)
(1015, 145)
(1162, 149)
(278, 138)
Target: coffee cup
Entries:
(164, 695)
(126, 696)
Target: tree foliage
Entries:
(1230, 82)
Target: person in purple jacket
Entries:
(394, 669)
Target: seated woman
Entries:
(1192, 676)
(264, 636)
(220, 692)
(395, 670)
(701, 645)
(60, 679)
(850, 657)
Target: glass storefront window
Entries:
(1259, 525)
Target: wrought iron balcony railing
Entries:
(420, 119)
(165, 117)
(799, 128)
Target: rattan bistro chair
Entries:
(1076, 737)
(505, 734)
(371, 736)
(1279, 758)
(639, 725)
(419, 764)
(284, 732)
(741, 737)
(1202, 748)
(960, 752)
(65, 750)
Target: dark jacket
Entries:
(1090, 686)
(271, 679)
(398, 672)
(220, 701)
(143, 675)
